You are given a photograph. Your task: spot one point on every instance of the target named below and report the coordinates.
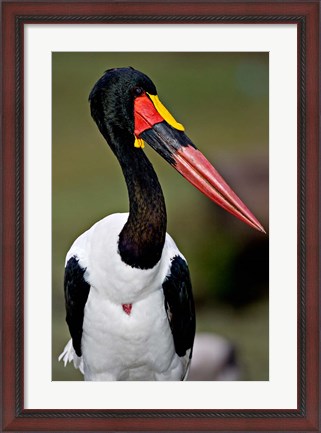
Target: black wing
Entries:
(179, 305)
(76, 294)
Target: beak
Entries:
(157, 127)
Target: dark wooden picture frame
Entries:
(15, 15)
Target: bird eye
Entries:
(138, 91)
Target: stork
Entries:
(128, 294)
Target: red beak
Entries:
(193, 165)
(174, 146)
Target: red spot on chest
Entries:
(127, 308)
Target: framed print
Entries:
(245, 78)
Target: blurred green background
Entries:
(222, 100)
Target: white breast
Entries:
(112, 340)
(118, 346)
(97, 251)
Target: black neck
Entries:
(142, 239)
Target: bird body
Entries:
(138, 344)
(128, 294)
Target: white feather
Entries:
(117, 346)
(69, 355)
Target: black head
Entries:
(112, 100)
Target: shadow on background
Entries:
(222, 100)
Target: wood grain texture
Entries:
(14, 16)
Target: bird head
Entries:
(125, 105)
(112, 99)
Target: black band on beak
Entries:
(166, 140)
